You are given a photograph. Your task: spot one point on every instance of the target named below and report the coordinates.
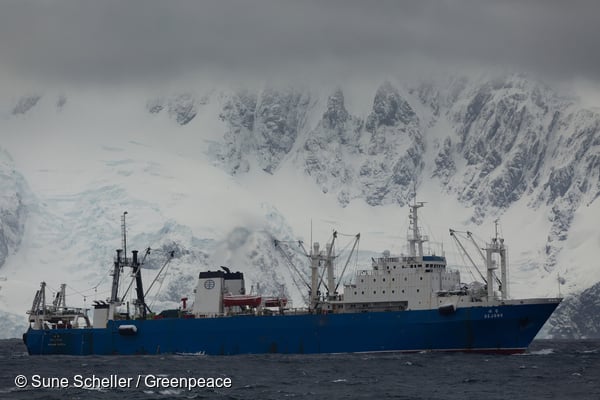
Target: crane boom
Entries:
(453, 234)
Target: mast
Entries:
(124, 236)
(315, 259)
(329, 266)
(415, 239)
(60, 299)
(497, 247)
(140, 303)
(116, 274)
(119, 263)
(38, 308)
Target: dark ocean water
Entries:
(550, 370)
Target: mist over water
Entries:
(551, 369)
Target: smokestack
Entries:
(134, 252)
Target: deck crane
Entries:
(278, 245)
(453, 234)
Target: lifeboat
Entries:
(275, 302)
(127, 330)
(240, 300)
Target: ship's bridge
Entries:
(429, 262)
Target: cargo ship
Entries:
(404, 303)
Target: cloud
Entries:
(146, 41)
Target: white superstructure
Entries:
(416, 281)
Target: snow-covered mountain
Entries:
(218, 173)
(13, 196)
(577, 317)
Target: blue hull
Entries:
(508, 328)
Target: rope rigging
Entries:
(464, 262)
(354, 246)
(290, 263)
(455, 237)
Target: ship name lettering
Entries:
(493, 316)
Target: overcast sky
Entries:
(145, 42)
